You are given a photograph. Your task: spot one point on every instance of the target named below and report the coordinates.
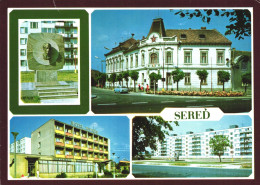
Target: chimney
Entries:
(132, 35)
(203, 28)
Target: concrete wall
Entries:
(46, 139)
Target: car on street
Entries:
(120, 89)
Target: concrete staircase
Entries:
(56, 91)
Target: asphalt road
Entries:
(140, 171)
(109, 102)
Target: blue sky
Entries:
(109, 27)
(116, 128)
(201, 126)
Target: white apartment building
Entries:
(68, 29)
(196, 145)
(162, 51)
(22, 146)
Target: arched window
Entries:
(168, 57)
(153, 58)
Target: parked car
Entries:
(120, 89)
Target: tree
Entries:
(240, 20)
(223, 76)
(177, 76)
(113, 79)
(146, 131)
(126, 77)
(134, 75)
(119, 78)
(154, 78)
(246, 79)
(219, 144)
(203, 74)
(101, 79)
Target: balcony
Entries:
(106, 152)
(68, 145)
(90, 139)
(91, 158)
(69, 134)
(84, 148)
(69, 156)
(84, 157)
(61, 132)
(84, 138)
(95, 141)
(59, 144)
(91, 149)
(96, 150)
(77, 136)
(77, 157)
(60, 155)
(77, 146)
(101, 151)
(100, 142)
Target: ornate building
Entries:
(162, 51)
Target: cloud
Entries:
(95, 126)
(103, 37)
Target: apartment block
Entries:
(22, 146)
(64, 141)
(196, 145)
(68, 29)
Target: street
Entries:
(140, 171)
(109, 102)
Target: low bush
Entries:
(62, 175)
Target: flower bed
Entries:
(198, 93)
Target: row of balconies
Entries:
(70, 45)
(62, 145)
(81, 157)
(83, 137)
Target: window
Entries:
(202, 36)
(39, 145)
(136, 60)
(23, 63)
(203, 57)
(183, 36)
(23, 30)
(153, 59)
(187, 79)
(187, 57)
(131, 61)
(23, 52)
(126, 63)
(39, 134)
(33, 25)
(168, 57)
(23, 41)
(220, 57)
(142, 59)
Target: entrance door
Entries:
(31, 169)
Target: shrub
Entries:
(62, 175)
(108, 173)
(125, 171)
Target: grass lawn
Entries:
(62, 76)
(35, 99)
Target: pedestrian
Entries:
(147, 87)
(142, 88)
(139, 87)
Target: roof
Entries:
(123, 46)
(157, 26)
(193, 36)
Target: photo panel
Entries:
(48, 61)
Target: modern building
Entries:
(68, 29)
(60, 147)
(22, 146)
(196, 145)
(164, 50)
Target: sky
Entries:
(109, 27)
(116, 128)
(201, 126)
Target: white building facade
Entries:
(162, 51)
(22, 146)
(196, 145)
(68, 29)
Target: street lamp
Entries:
(114, 176)
(15, 134)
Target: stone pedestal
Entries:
(46, 77)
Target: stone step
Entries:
(57, 89)
(59, 96)
(57, 93)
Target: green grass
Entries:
(35, 99)
(62, 76)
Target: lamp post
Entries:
(15, 134)
(114, 175)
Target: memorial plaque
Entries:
(45, 51)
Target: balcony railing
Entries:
(61, 132)
(69, 156)
(84, 157)
(77, 157)
(77, 146)
(59, 144)
(60, 155)
(84, 148)
(69, 134)
(69, 145)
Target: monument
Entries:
(45, 55)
